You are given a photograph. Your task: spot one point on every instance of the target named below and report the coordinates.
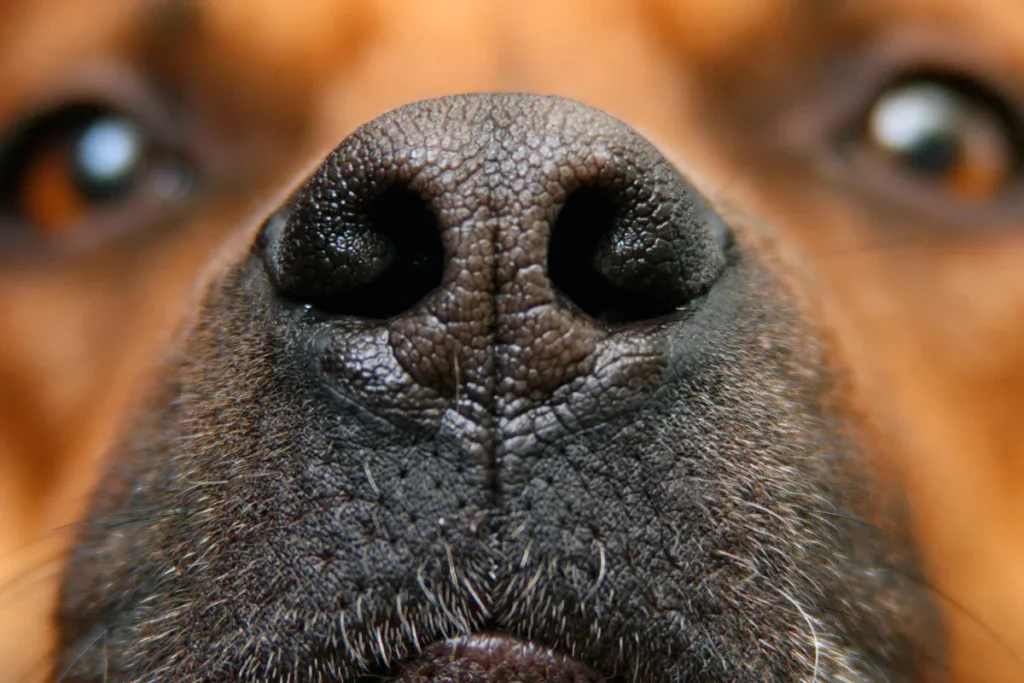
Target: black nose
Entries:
(483, 253)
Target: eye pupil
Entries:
(106, 156)
(934, 155)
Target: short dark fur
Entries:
(315, 495)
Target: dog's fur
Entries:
(831, 482)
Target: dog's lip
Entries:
(492, 657)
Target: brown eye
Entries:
(951, 137)
(68, 171)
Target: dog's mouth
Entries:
(490, 657)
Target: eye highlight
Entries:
(950, 137)
(107, 156)
(70, 171)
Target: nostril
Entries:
(375, 259)
(606, 259)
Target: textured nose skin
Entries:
(494, 265)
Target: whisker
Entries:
(54, 535)
(921, 580)
(58, 532)
(29, 579)
(962, 609)
(88, 646)
(813, 631)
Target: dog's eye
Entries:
(66, 171)
(954, 137)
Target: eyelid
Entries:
(821, 126)
(122, 91)
(869, 67)
(851, 162)
(113, 84)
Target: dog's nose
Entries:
(482, 255)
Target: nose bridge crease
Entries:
(541, 344)
(496, 210)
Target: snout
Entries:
(495, 396)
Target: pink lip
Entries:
(493, 658)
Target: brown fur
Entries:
(924, 309)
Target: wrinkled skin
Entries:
(402, 419)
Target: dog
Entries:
(593, 340)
